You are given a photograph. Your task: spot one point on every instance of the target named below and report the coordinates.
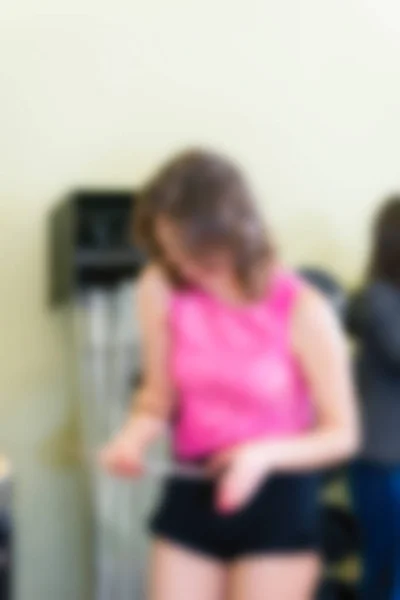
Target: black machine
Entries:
(90, 242)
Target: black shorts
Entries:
(283, 517)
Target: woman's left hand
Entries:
(241, 471)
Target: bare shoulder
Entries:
(312, 305)
(153, 291)
(314, 320)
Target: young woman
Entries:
(375, 321)
(248, 366)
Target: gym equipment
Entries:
(92, 272)
(356, 317)
(341, 537)
(89, 243)
(333, 590)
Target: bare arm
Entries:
(154, 397)
(322, 351)
(153, 402)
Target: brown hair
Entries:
(207, 196)
(385, 258)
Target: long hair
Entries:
(210, 201)
(385, 257)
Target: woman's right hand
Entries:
(123, 456)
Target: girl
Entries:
(248, 365)
(374, 320)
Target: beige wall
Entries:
(306, 94)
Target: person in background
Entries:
(374, 321)
(248, 367)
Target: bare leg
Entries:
(178, 574)
(279, 577)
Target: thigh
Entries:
(179, 574)
(283, 577)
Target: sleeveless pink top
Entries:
(234, 371)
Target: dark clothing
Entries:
(374, 321)
(376, 497)
(284, 516)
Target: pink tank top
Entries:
(234, 371)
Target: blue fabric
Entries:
(376, 497)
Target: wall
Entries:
(305, 94)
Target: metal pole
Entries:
(108, 356)
(93, 356)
